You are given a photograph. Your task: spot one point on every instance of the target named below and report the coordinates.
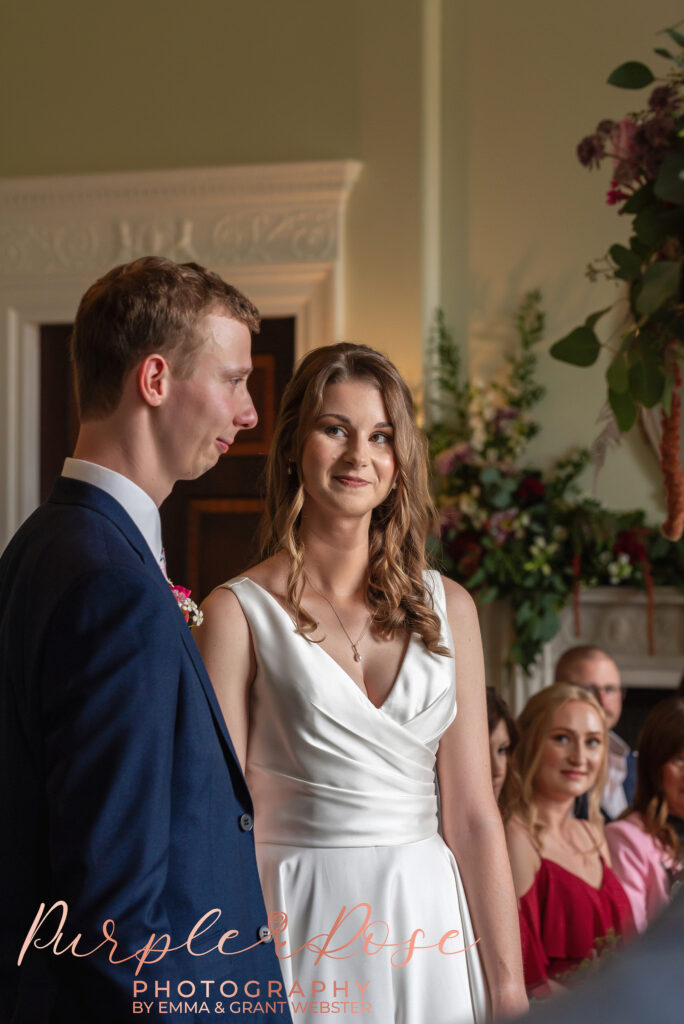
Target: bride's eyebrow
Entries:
(345, 419)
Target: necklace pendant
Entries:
(357, 656)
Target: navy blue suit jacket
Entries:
(120, 790)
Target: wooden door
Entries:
(210, 524)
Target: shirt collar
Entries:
(617, 745)
(136, 502)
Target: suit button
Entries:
(264, 934)
(246, 822)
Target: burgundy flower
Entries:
(466, 551)
(606, 127)
(530, 489)
(663, 99)
(630, 542)
(591, 150)
(659, 131)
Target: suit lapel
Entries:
(76, 492)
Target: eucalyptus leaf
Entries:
(649, 228)
(676, 36)
(580, 348)
(627, 262)
(624, 410)
(549, 624)
(661, 282)
(663, 53)
(646, 382)
(638, 200)
(631, 75)
(491, 475)
(669, 184)
(594, 318)
(616, 375)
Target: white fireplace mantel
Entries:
(612, 618)
(276, 231)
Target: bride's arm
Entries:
(471, 822)
(225, 644)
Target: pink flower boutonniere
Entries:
(191, 613)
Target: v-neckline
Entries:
(363, 692)
(574, 874)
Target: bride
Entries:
(338, 663)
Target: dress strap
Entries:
(596, 843)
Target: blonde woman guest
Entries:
(570, 901)
(646, 845)
(338, 661)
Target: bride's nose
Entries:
(356, 452)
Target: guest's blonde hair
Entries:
(534, 725)
(396, 592)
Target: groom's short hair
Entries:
(149, 305)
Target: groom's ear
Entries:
(153, 377)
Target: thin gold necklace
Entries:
(353, 644)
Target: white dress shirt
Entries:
(136, 502)
(614, 801)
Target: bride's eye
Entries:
(334, 430)
(381, 438)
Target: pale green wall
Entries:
(536, 84)
(146, 84)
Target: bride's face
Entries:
(348, 463)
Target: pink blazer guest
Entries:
(640, 863)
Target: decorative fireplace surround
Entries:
(613, 618)
(276, 231)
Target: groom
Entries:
(121, 799)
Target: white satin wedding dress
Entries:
(346, 824)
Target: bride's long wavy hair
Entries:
(396, 592)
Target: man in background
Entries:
(594, 669)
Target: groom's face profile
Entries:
(206, 410)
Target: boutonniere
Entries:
(191, 613)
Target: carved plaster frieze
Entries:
(278, 214)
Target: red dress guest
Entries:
(564, 919)
(571, 904)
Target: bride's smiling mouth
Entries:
(352, 481)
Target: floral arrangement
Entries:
(191, 613)
(507, 529)
(646, 153)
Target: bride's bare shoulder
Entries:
(271, 574)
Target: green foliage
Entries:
(646, 155)
(509, 531)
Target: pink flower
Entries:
(623, 140)
(615, 195)
(447, 461)
(502, 524)
(189, 610)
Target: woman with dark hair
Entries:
(335, 667)
(646, 843)
(570, 902)
(503, 736)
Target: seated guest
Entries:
(646, 845)
(593, 668)
(503, 736)
(571, 904)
